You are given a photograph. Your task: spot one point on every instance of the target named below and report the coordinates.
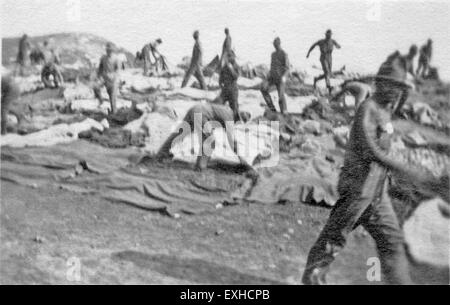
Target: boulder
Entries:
(427, 233)
(341, 135)
(311, 126)
(424, 114)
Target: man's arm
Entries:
(336, 44)
(155, 51)
(312, 48)
(434, 139)
(230, 131)
(420, 178)
(286, 65)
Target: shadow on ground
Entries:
(191, 269)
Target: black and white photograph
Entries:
(196, 144)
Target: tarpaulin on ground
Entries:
(116, 175)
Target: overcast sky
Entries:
(367, 30)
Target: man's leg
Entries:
(329, 74)
(401, 102)
(419, 66)
(426, 69)
(111, 88)
(344, 217)
(201, 79)
(204, 157)
(57, 76)
(359, 90)
(186, 77)
(384, 227)
(320, 77)
(164, 150)
(265, 91)
(97, 88)
(232, 95)
(282, 96)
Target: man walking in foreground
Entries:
(107, 75)
(363, 186)
(199, 115)
(326, 50)
(279, 69)
(195, 67)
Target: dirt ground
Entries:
(43, 230)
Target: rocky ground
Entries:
(50, 219)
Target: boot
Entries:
(315, 276)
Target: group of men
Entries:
(364, 178)
(51, 75)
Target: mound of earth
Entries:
(79, 52)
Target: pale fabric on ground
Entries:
(253, 141)
(93, 104)
(29, 83)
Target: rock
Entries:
(39, 239)
(415, 138)
(311, 147)
(291, 231)
(341, 135)
(312, 127)
(424, 114)
(426, 233)
(77, 92)
(12, 119)
(105, 123)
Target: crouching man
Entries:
(199, 116)
(363, 186)
(51, 68)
